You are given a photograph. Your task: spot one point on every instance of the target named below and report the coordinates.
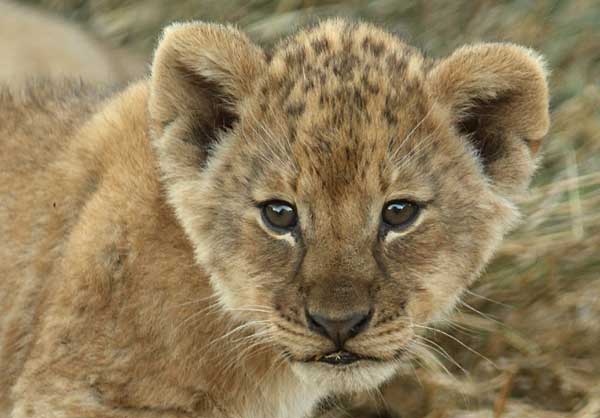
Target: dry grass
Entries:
(532, 324)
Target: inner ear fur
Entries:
(200, 74)
(497, 97)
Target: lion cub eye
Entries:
(279, 215)
(400, 213)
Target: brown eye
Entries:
(279, 215)
(400, 213)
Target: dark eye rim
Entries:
(392, 227)
(282, 230)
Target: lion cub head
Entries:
(342, 190)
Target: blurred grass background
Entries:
(526, 340)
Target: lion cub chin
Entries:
(246, 233)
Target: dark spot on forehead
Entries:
(292, 133)
(343, 65)
(322, 77)
(347, 43)
(296, 56)
(390, 110)
(395, 63)
(295, 109)
(390, 117)
(372, 88)
(285, 89)
(374, 47)
(268, 56)
(359, 100)
(320, 45)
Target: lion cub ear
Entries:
(200, 74)
(497, 96)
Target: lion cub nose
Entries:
(338, 330)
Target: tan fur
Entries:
(137, 276)
(37, 44)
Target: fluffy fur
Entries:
(138, 278)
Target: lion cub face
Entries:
(344, 191)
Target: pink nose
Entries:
(338, 330)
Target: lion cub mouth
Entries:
(340, 358)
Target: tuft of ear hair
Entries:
(497, 96)
(200, 74)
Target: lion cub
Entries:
(246, 233)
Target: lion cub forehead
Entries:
(336, 53)
(362, 43)
(339, 95)
(340, 73)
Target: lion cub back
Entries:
(36, 123)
